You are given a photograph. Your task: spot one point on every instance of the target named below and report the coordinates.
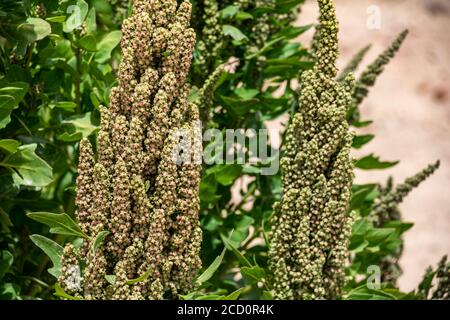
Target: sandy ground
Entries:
(410, 105)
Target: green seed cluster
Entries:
(353, 63)
(385, 207)
(312, 226)
(386, 210)
(210, 46)
(436, 282)
(134, 188)
(370, 75)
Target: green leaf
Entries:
(360, 141)
(9, 145)
(209, 272)
(59, 223)
(79, 126)
(400, 226)
(246, 94)
(226, 174)
(239, 106)
(77, 16)
(110, 278)
(53, 250)
(27, 168)
(11, 94)
(230, 246)
(88, 43)
(229, 11)
(141, 278)
(99, 239)
(364, 293)
(65, 105)
(234, 295)
(242, 16)
(6, 261)
(34, 29)
(267, 295)
(285, 6)
(254, 274)
(91, 24)
(107, 45)
(360, 196)
(371, 162)
(291, 32)
(378, 235)
(59, 292)
(233, 32)
(5, 221)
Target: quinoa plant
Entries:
(113, 136)
(135, 191)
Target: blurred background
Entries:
(410, 106)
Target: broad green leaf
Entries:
(229, 11)
(285, 6)
(364, 293)
(107, 45)
(59, 223)
(9, 145)
(209, 272)
(292, 32)
(226, 174)
(6, 261)
(59, 292)
(53, 250)
(371, 162)
(88, 43)
(34, 29)
(253, 274)
(378, 235)
(11, 94)
(360, 196)
(360, 141)
(246, 94)
(79, 126)
(99, 239)
(27, 168)
(242, 16)
(401, 226)
(233, 32)
(240, 106)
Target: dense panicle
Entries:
(136, 190)
(370, 75)
(312, 226)
(386, 210)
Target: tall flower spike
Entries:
(311, 226)
(388, 202)
(136, 191)
(370, 75)
(354, 63)
(84, 199)
(386, 210)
